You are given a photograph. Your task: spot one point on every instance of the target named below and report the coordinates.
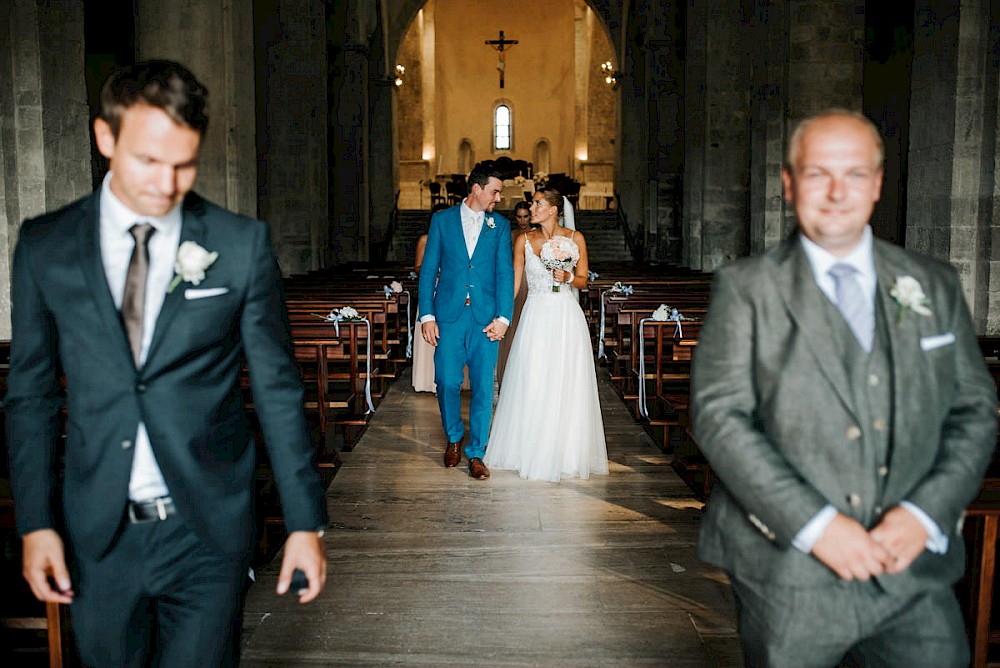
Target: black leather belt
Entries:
(151, 510)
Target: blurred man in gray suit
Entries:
(842, 401)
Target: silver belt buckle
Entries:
(161, 509)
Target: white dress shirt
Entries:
(117, 245)
(472, 224)
(862, 258)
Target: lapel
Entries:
(92, 266)
(454, 231)
(804, 305)
(904, 337)
(192, 229)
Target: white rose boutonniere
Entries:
(191, 264)
(489, 222)
(909, 294)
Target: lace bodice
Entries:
(540, 278)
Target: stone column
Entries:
(215, 41)
(952, 191)
(717, 138)
(348, 155)
(666, 133)
(292, 137)
(768, 220)
(44, 119)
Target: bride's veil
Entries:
(569, 222)
(569, 219)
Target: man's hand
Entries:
(44, 558)
(303, 550)
(903, 537)
(429, 330)
(848, 550)
(495, 330)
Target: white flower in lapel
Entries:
(909, 294)
(191, 264)
(489, 222)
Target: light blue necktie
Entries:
(854, 304)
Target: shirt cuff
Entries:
(427, 318)
(503, 320)
(814, 528)
(937, 542)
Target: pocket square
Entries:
(201, 293)
(932, 342)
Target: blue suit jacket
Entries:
(487, 277)
(187, 392)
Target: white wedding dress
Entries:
(547, 423)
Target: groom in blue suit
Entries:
(469, 309)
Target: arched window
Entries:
(465, 157)
(502, 128)
(541, 156)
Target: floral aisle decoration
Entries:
(559, 252)
(396, 288)
(350, 314)
(662, 313)
(617, 291)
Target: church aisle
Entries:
(431, 568)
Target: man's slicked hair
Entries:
(162, 84)
(482, 173)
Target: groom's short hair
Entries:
(162, 84)
(482, 173)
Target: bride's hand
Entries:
(562, 276)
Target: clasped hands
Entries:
(854, 553)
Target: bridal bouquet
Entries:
(559, 253)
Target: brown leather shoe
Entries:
(477, 469)
(453, 454)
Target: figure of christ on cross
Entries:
(500, 45)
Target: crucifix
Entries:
(500, 45)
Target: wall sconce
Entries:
(611, 75)
(400, 71)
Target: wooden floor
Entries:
(430, 568)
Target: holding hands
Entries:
(856, 554)
(495, 330)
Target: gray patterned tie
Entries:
(854, 305)
(134, 299)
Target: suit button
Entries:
(853, 432)
(873, 380)
(879, 424)
(878, 511)
(854, 500)
(126, 444)
(883, 470)
(141, 387)
(470, 266)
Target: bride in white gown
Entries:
(548, 422)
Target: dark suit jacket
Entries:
(775, 416)
(187, 393)
(487, 277)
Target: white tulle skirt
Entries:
(547, 423)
